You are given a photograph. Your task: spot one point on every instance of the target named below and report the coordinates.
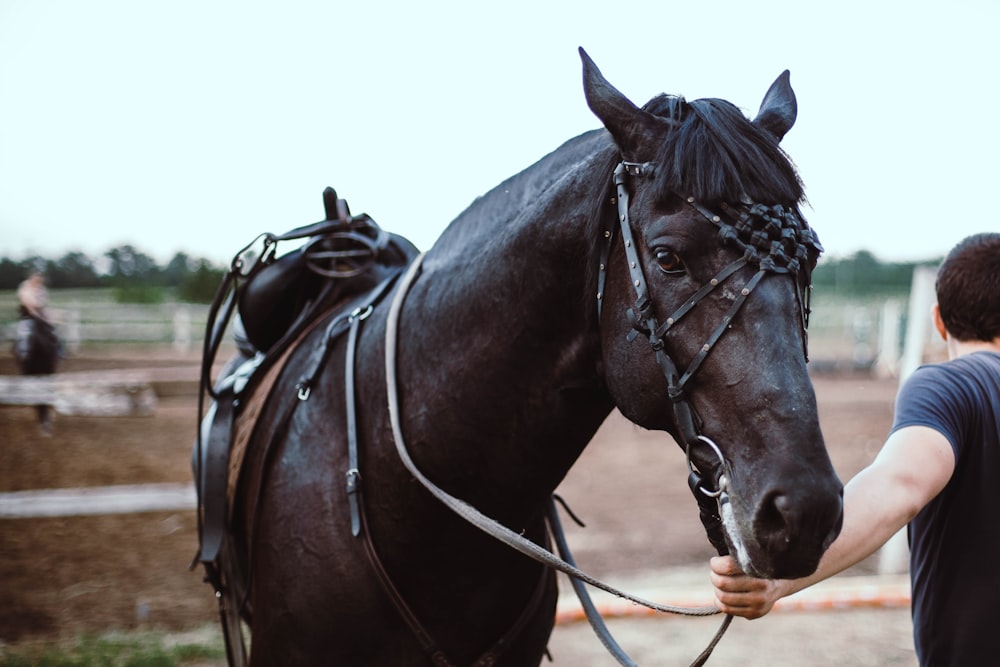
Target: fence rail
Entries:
(844, 334)
(91, 316)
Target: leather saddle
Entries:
(278, 298)
(344, 255)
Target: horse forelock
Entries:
(715, 154)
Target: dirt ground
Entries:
(60, 577)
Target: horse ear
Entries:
(778, 110)
(630, 126)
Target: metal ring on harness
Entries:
(723, 480)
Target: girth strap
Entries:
(353, 473)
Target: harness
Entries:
(772, 238)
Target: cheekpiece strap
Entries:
(638, 168)
(643, 310)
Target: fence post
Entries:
(73, 335)
(182, 329)
(887, 361)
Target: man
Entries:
(938, 471)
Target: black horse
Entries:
(660, 266)
(36, 352)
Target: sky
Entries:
(192, 126)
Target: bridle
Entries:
(773, 238)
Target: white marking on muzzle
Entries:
(733, 532)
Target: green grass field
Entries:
(134, 649)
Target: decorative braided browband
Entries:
(773, 237)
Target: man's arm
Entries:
(914, 465)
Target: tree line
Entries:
(863, 274)
(133, 275)
(136, 276)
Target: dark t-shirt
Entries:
(955, 539)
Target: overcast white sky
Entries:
(192, 125)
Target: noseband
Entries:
(773, 238)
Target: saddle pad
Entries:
(252, 405)
(246, 420)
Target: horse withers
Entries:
(659, 266)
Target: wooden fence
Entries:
(844, 334)
(91, 316)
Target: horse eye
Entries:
(669, 261)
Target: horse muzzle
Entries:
(785, 532)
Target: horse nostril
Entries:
(782, 517)
(775, 514)
(793, 528)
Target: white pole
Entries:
(182, 329)
(74, 335)
(887, 361)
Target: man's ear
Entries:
(939, 323)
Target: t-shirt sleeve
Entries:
(931, 397)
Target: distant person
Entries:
(938, 471)
(36, 345)
(33, 297)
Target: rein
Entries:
(490, 526)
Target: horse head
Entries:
(703, 301)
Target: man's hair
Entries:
(968, 289)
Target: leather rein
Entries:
(501, 532)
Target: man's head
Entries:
(968, 289)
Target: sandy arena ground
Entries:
(63, 576)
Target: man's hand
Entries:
(739, 594)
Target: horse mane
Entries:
(715, 154)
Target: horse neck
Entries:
(507, 352)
